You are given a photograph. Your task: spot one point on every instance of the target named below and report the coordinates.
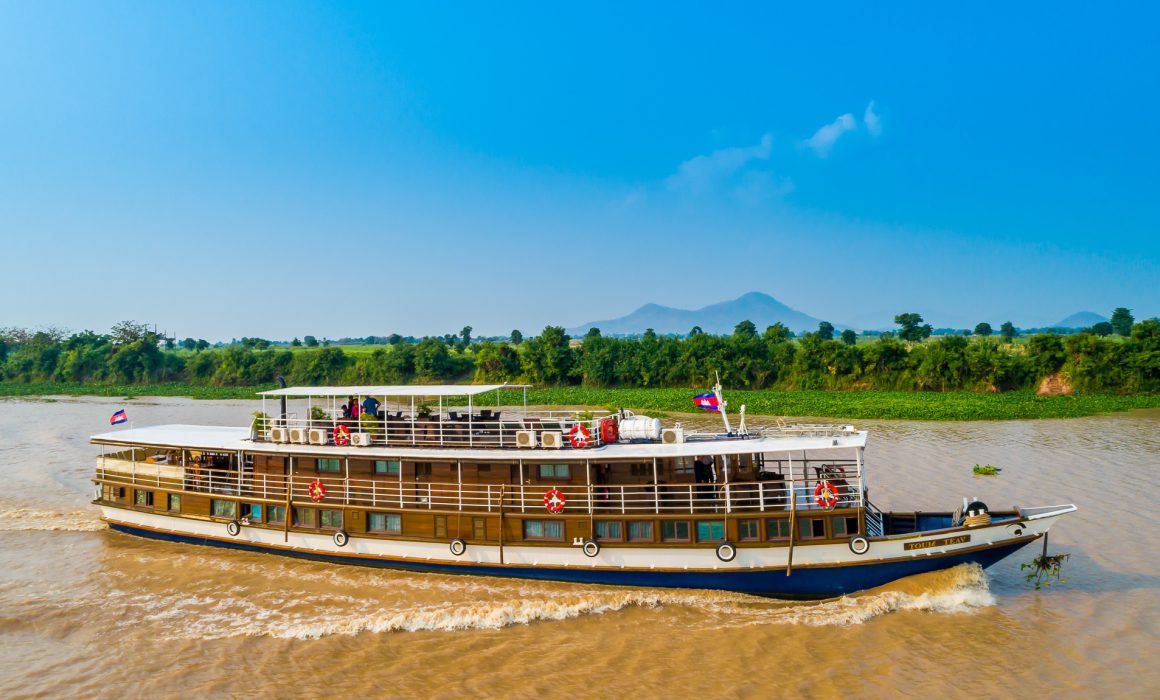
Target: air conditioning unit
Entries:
(360, 439)
(673, 436)
(279, 435)
(318, 436)
(298, 435)
(525, 438)
(552, 439)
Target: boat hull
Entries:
(806, 580)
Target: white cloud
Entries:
(823, 139)
(872, 120)
(760, 186)
(701, 173)
(633, 198)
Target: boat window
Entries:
(143, 498)
(385, 522)
(675, 531)
(422, 469)
(327, 464)
(684, 465)
(330, 518)
(253, 511)
(304, 517)
(710, 530)
(640, 531)
(441, 526)
(555, 471)
(813, 528)
(223, 509)
(276, 514)
(390, 467)
(641, 470)
(844, 525)
(479, 528)
(606, 530)
(175, 502)
(748, 530)
(777, 529)
(543, 530)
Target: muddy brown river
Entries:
(88, 613)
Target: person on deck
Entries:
(703, 474)
(370, 406)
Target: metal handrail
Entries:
(599, 499)
(407, 431)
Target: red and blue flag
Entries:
(118, 418)
(708, 402)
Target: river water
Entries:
(85, 612)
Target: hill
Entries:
(719, 318)
(1083, 319)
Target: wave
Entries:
(30, 519)
(239, 613)
(959, 590)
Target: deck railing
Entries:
(598, 499)
(394, 430)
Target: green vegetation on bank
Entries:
(774, 373)
(868, 404)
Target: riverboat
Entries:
(428, 479)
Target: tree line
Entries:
(746, 359)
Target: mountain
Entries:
(1083, 319)
(718, 319)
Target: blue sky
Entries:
(282, 169)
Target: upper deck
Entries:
(405, 423)
(231, 439)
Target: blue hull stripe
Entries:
(816, 581)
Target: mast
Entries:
(721, 404)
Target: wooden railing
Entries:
(741, 496)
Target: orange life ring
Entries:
(825, 495)
(341, 434)
(316, 491)
(554, 501)
(579, 435)
(609, 431)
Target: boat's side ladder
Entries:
(873, 520)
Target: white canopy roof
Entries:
(232, 439)
(395, 390)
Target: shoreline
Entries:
(866, 404)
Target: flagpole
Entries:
(721, 403)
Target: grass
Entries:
(859, 404)
(133, 390)
(945, 406)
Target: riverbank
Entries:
(897, 405)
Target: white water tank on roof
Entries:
(640, 428)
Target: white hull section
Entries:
(1034, 523)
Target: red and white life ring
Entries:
(341, 435)
(554, 501)
(825, 495)
(316, 491)
(609, 431)
(579, 435)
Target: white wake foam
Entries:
(24, 519)
(235, 612)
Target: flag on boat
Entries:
(118, 418)
(707, 402)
